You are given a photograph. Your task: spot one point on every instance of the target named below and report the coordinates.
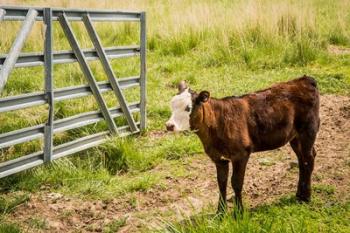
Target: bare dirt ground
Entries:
(269, 176)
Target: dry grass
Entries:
(169, 19)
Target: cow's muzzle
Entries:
(170, 127)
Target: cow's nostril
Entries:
(170, 127)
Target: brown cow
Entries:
(232, 128)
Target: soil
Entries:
(269, 176)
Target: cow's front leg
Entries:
(222, 168)
(238, 172)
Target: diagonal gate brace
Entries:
(87, 72)
(16, 46)
(109, 71)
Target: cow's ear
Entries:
(203, 96)
(182, 86)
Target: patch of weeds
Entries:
(26, 181)
(141, 183)
(37, 223)
(286, 215)
(175, 169)
(9, 203)
(178, 146)
(266, 161)
(324, 189)
(347, 162)
(114, 226)
(66, 214)
(94, 228)
(179, 45)
(152, 42)
(159, 112)
(189, 78)
(247, 56)
(218, 55)
(301, 53)
(9, 228)
(133, 201)
(173, 155)
(338, 38)
(29, 82)
(318, 177)
(115, 153)
(333, 83)
(169, 67)
(123, 154)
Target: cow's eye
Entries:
(188, 108)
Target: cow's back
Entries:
(277, 114)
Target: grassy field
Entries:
(226, 47)
(282, 216)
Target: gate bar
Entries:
(109, 71)
(61, 57)
(17, 47)
(35, 159)
(38, 98)
(87, 72)
(61, 125)
(19, 13)
(20, 164)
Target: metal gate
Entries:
(48, 58)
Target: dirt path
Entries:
(269, 176)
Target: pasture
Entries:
(163, 182)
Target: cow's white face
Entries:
(181, 106)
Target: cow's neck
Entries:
(209, 121)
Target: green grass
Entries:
(37, 223)
(325, 189)
(9, 202)
(285, 215)
(114, 226)
(9, 228)
(325, 213)
(123, 166)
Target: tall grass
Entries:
(177, 28)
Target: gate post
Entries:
(143, 95)
(48, 130)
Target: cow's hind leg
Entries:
(222, 169)
(303, 146)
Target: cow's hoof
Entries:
(305, 199)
